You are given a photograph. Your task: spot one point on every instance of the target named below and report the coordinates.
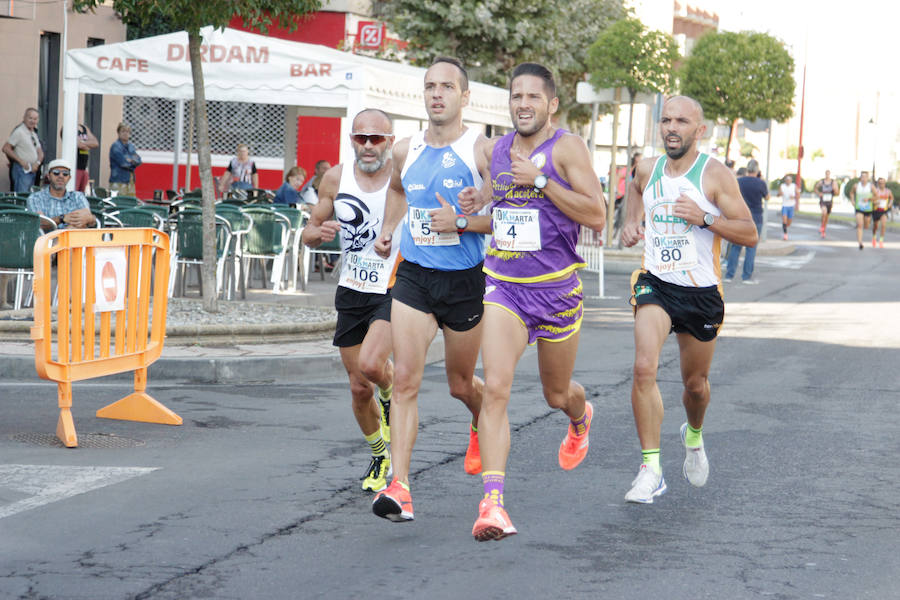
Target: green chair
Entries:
(14, 199)
(121, 202)
(267, 239)
(240, 224)
(186, 242)
(297, 219)
(138, 217)
(19, 230)
(101, 192)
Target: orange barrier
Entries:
(102, 275)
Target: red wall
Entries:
(152, 176)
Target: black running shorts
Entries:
(356, 311)
(455, 298)
(697, 311)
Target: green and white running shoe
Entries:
(696, 466)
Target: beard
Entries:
(372, 167)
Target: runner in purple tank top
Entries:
(543, 189)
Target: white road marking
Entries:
(23, 487)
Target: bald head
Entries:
(690, 102)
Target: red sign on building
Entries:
(370, 35)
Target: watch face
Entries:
(709, 219)
(462, 222)
(540, 182)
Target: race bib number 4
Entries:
(422, 234)
(517, 229)
(675, 252)
(368, 274)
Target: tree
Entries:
(744, 75)
(630, 56)
(191, 16)
(491, 37)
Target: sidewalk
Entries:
(261, 352)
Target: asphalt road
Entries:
(256, 495)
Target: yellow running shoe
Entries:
(574, 447)
(493, 523)
(377, 474)
(472, 463)
(394, 503)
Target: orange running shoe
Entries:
(881, 243)
(394, 503)
(472, 463)
(493, 523)
(574, 447)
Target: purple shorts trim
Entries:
(551, 311)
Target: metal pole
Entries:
(179, 134)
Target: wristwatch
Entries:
(708, 219)
(461, 223)
(540, 181)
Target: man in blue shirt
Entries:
(66, 208)
(754, 190)
(123, 160)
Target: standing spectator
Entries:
(754, 190)
(23, 148)
(66, 208)
(123, 160)
(241, 173)
(85, 141)
(310, 191)
(289, 192)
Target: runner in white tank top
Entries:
(679, 206)
(351, 205)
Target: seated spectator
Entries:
(289, 192)
(65, 208)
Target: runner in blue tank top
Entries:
(440, 282)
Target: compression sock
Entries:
(376, 443)
(384, 395)
(693, 437)
(784, 227)
(579, 426)
(651, 459)
(493, 486)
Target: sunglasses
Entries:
(374, 138)
(58, 172)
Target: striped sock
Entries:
(493, 486)
(384, 395)
(579, 426)
(693, 437)
(651, 459)
(376, 443)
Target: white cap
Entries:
(59, 162)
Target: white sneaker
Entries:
(696, 467)
(646, 486)
(728, 279)
(749, 282)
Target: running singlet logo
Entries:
(448, 160)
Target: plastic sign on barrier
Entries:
(111, 266)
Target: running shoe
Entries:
(385, 417)
(377, 474)
(646, 486)
(394, 503)
(785, 237)
(472, 463)
(574, 448)
(493, 523)
(696, 467)
(881, 244)
(860, 246)
(873, 242)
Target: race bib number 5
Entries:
(422, 234)
(517, 229)
(368, 274)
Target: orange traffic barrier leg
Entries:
(65, 427)
(139, 406)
